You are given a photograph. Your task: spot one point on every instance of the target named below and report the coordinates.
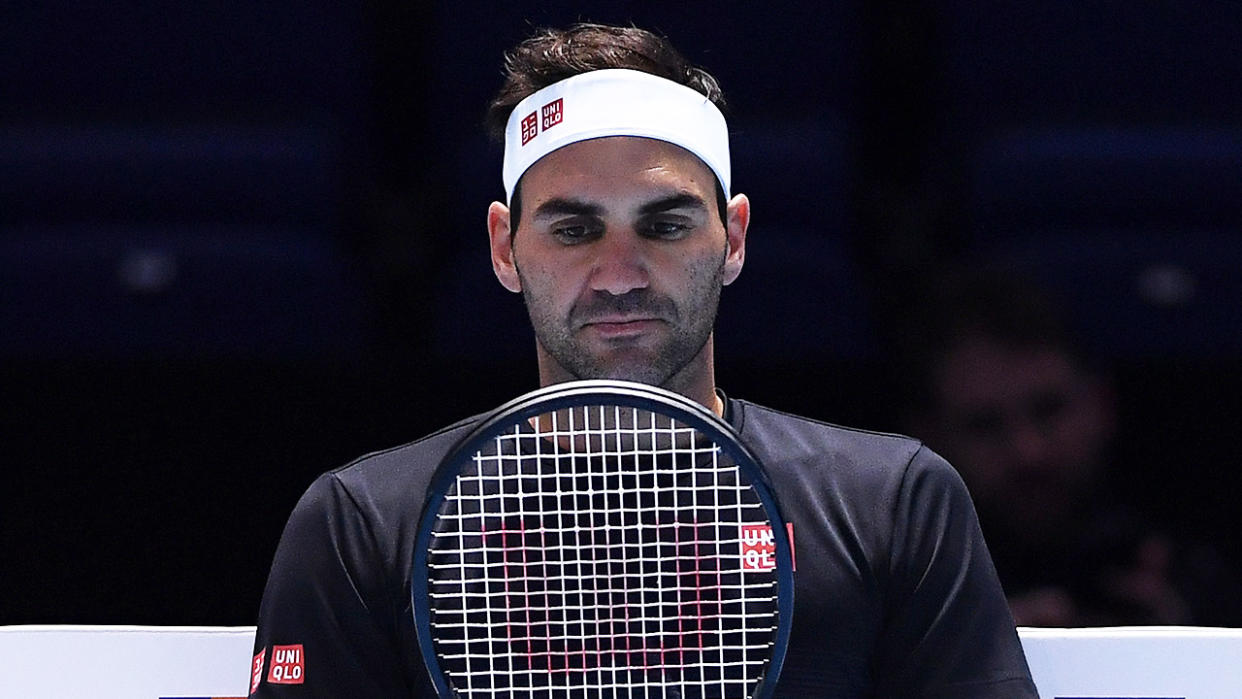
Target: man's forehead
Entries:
(979, 371)
(618, 166)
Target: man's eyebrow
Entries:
(562, 206)
(566, 207)
(675, 201)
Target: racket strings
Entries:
(603, 552)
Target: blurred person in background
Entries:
(1001, 389)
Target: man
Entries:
(1008, 397)
(620, 230)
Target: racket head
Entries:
(537, 642)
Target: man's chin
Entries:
(637, 374)
(644, 360)
(639, 367)
(1041, 517)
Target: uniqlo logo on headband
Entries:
(288, 665)
(530, 127)
(759, 548)
(553, 113)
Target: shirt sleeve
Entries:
(328, 623)
(948, 631)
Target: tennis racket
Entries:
(602, 539)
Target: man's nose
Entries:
(620, 264)
(1029, 443)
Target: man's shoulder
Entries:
(407, 466)
(793, 436)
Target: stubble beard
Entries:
(689, 330)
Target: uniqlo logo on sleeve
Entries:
(530, 127)
(288, 665)
(759, 548)
(553, 113)
(256, 671)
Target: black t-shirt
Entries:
(895, 591)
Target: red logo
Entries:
(530, 128)
(256, 671)
(288, 665)
(553, 113)
(759, 548)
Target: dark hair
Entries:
(995, 303)
(551, 55)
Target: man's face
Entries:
(1025, 426)
(620, 256)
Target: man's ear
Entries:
(738, 212)
(499, 231)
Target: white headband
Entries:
(614, 102)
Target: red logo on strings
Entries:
(288, 665)
(553, 113)
(530, 127)
(759, 548)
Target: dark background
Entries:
(242, 243)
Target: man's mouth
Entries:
(620, 326)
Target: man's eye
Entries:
(983, 424)
(1045, 408)
(572, 234)
(667, 229)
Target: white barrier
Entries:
(124, 662)
(149, 662)
(1140, 661)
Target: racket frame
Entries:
(574, 394)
